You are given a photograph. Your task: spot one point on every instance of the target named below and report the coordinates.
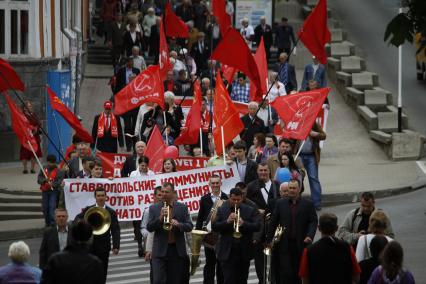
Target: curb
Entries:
(328, 200)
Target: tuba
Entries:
(211, 239)
(166, 219)
(99, 218)
(197, 238)
(237, 233)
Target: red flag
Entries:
(146, 87)
(155, 150)
(69, 116)
(228, 72)
(21, 126)
(223, 19)
(262, 67)
(314, 33)
(233, 51)
(193, 121)
(175, 27)
(8, 78)
(224, 114)
(112, 163)
(299, 111)
(163, 60)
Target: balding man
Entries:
(286, 73)
(265, 30)
(247, 32)
(138, 60)
(252, 124)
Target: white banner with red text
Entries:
(130, 196)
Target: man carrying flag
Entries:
(106, 131)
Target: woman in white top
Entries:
(377, 226)
(278, 88)
(143, 170)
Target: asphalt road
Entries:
(407, 213)
(365, 21)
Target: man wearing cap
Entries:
(240, 89)
(314, 71)
(106, 131)
(265, 30)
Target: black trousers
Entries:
(104, 257)
(137, 231)
(289, 264)
(259, 261)
(130, 118)
(235, 268)
(168, 269)
(116, 52)
(212, 267)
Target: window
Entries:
(14, 27)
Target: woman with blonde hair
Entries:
(377, 226)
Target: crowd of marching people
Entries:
(265, 217)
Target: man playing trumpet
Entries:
(169, 220)
(235, 222)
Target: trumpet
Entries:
(276, 239)
(237, 233)
(166, 219)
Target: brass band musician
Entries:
(209, 204)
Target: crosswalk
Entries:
(127, 267)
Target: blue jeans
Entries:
(311, 167)
(49, 200)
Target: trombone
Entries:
(237, 233)
(166, 219)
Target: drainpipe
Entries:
(79, 38)
(72, 39)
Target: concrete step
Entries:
(19, 215)
(24, 228)
(9, 198)
(20, 192)
(26, 207)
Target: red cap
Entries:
(108, 105)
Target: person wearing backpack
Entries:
(357, 221)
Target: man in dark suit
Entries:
(154, 40)
(130, 165)
(55, 238)
(265, 30)
(106, 131)
(284, 37)
(252, 124)
(125, 74)
(209, 204)
(246, 167)
(169, 250)
(234, 253)
(132, 38)
(201, 52)
(101, 245)
(115, 34)
(286, 73)
(298, 218)
(261, 191)
(75, 264)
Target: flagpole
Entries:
(201, 140)
(300, 149)
(223, 146)
(165, 126)
(57, 130)
(211, 82)
(37, 159)
(39, 124)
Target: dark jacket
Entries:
(315, 142)
(102, 243)
(284, 36)
(251, 171)
(267, 35)
(150, 119)
(251, 225)
(154, 43)
(107, 143)
(115, 34)
(56, 184)
(250, 129)
(161, 236)
(128, 42)
(291, 77)
(50, 244)
(74, 265)
(201, 57)
(254, 192)
(121, 78)
(306, 223)
(129, 165)
(206, 204)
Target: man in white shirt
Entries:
(138, 60)
(247, 32)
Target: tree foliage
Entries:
(403, 27)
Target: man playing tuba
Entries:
(209, 204)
